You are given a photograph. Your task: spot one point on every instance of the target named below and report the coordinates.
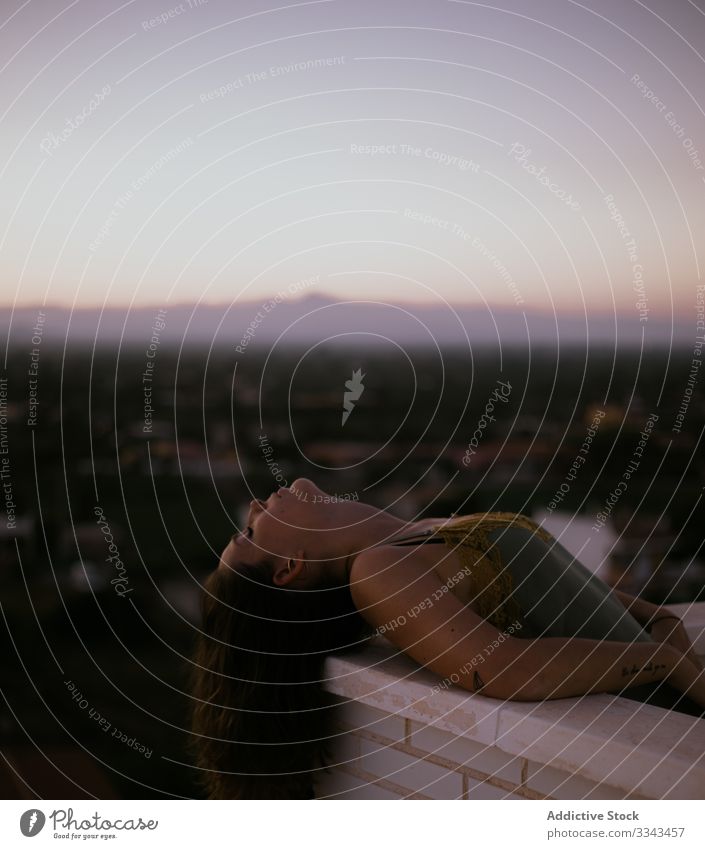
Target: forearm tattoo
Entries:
(649, 667)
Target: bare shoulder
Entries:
(401, 596)
(388, 563)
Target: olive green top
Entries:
(520, 578)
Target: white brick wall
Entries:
(400, 737)
(558, 784)
(479, 760)
(379, 755)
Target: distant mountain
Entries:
(256, 325)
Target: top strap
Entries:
(417, 540)
(469, 523)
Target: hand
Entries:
(689, 679)
(672, 631)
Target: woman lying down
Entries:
(490, 601)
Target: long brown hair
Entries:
(260, 716)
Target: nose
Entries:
(257, 504)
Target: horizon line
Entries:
(654, 312)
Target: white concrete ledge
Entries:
(402, 737)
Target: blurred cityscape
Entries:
(136, 470)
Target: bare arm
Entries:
(407, 603)
(557, 667)
(669, 628)
(639, 608)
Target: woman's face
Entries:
(300, 518)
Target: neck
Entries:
(371, 528)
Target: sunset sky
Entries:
(548, 155)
